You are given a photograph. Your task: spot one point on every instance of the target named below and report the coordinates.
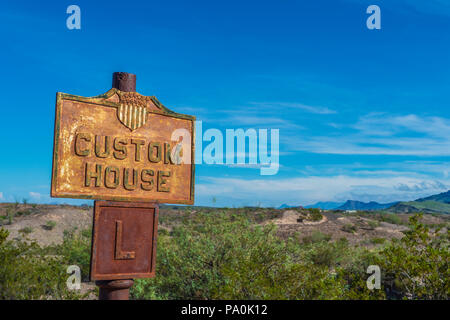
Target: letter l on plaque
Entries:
(119, 254)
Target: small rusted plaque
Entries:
(122, 146)
(124, 240)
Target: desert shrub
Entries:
(24, 212)
(314, 214)
(27, 273)
(316, 236)
(350, 228)
(76, 250)
(323, 255)
(163, 232)
(378, 240)
(391, 218)
(417, 266)
(10, 214)
(49, 225)
(225, 256)
(373, 224)
(26, 230)
(85, 206)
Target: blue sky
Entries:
(363, 114)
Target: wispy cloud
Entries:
(383, 134)
(297, 106)
(1, 195)
(235, 121)
(305, 190)
(35, 195)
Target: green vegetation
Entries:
(378, 240)
(316, 237)
(76, 250)
(85, 206)
(219, 254)
(314, 214)
(49, 225)
(390, 218)
(26, 272)
(350, 228)
(10, 214)
(24, 212)
(223, 256)
(428, 206)
(373, 224)
(26, 230)
(417, 266)
(381, 216)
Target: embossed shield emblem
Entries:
(132, 111)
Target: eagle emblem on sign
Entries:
(133, 109)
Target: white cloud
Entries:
(298, 106)
(1, 195)
(305, 190)
(35, 195)
(382, 134)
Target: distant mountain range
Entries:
(326, 205)
(438, 203)
(358, 205)
(285, 206)
(443, 197)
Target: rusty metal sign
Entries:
(122, 146)
(124, 240)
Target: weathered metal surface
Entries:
(118, 146)
(124, 240)
(114, 289)
(124, 81)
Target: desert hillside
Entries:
(47, 223)
(239, 253)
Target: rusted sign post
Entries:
(123, 246)
(129, 153)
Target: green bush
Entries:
(76, 250)
(49, 225)
(26, 272)
(218, 255)
(10, 214)
(25, 212)
(314, 214)
(26, 230)
(223, 256)
(417, 266)
(317, 236)
(378, 240)
(391, 218)
(373, 224)
(350, 228)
